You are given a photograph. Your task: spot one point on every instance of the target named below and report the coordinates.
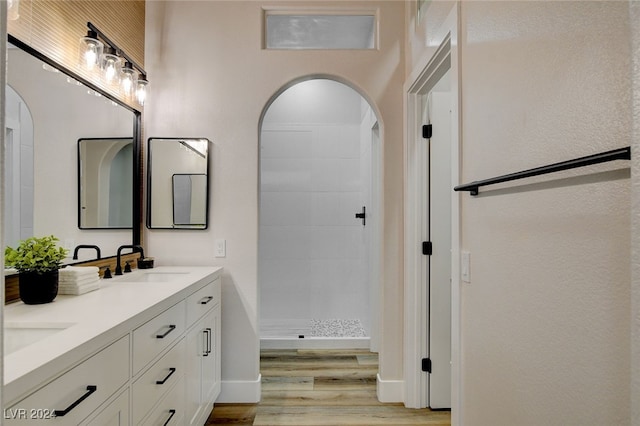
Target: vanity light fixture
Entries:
(111, 65)
(141, 89)
(90, 50)
(128, 78)
(13, 7)
(117, 67)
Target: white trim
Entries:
(416, 328)
(241, 391)
(389, 390)
(315, 343)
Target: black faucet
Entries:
(75, 251)
(135, 248)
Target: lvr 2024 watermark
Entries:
(27, 414)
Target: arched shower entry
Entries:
(320, 216)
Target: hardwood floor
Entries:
(321, 387)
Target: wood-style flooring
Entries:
(321, 387)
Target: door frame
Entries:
(416, 305)
(376, 221)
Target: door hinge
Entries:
(427, 248)
(426, 365)
(427, 131)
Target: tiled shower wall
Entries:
(313, 258)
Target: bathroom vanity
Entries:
(143, 349)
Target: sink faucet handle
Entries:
(127, 267)
(107, 272)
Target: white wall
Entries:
(312, 258)
(211, 78)
(550, 263)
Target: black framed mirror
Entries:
(105, 183)
(62, 109)
(178, 183)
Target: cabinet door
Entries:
(78, 392)
(211, 359)
(196, 349)
(115, 414)
(170, 409)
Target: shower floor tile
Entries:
(312, 328)
(337, 328)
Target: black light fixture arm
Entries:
(118, 50)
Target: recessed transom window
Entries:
(320, 30)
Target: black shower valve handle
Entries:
(363, 216)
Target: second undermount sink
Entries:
(150, 277)
(20, 335)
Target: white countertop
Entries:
(98, 317)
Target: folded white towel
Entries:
(77, 291)
(78, 271)
(86, 284)
(79, 281)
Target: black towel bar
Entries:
(603, 157)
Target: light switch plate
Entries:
(465, 266)
(220, 248)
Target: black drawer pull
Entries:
(208, 340)
(205, 333)
(206, 300)
(162, 336)
(173, 413)
(161, 382)
(60, 413)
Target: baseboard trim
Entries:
(241, 391)
(389, 390)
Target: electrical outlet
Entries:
(220, 248)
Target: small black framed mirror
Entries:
(178, 183)
(105, 183)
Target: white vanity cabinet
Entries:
(116, 413)
(163, 369)
(70, 398)
(203, 353)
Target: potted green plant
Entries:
(37, 260)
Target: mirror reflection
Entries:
(178, 183)
(47, 112)
(105, 183)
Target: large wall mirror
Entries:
(48, 112)
(178, 183)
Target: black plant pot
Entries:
(37, 288)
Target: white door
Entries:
(437, 224)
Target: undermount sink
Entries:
(20, 335)
(150, 277)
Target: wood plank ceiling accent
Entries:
(54, 28)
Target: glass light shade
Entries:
(128, 79)
(90, 51)
(141, 89)
(111, 66)
(13, 7)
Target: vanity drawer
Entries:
(202, 300)
(157, 334)
(77, 392)
(170, 410)
(156, 381)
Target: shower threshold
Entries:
(313, 334)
